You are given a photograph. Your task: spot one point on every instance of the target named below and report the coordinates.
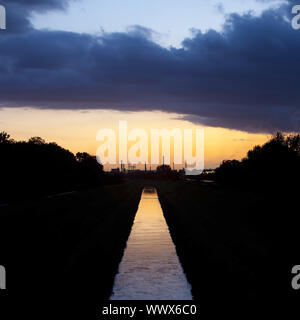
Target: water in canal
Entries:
(150, 269)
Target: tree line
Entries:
(274, 164)
(35, 167)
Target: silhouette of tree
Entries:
(33, 168)
(276, 162)
(163, 169)
(229, 171)
(89, 162)
(36, 140)
(293, 142)
(5, 137)
(82, 156)
(165, 172)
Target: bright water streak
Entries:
(150, 269)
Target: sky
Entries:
(76, 130)
(171, 20)
(71, 67)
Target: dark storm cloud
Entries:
(38, 5)
(19, 11)
(245, 77)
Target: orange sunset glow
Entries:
(76, 130)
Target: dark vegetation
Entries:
(239, 239)
(64, 224)
(67, 248)
(272, 165)
(35, 168)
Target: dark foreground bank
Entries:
(69, 245)
(237, 247)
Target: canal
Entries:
(150, 268)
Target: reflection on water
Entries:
(150, 269)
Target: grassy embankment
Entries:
(230, 244)
(71, 243)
